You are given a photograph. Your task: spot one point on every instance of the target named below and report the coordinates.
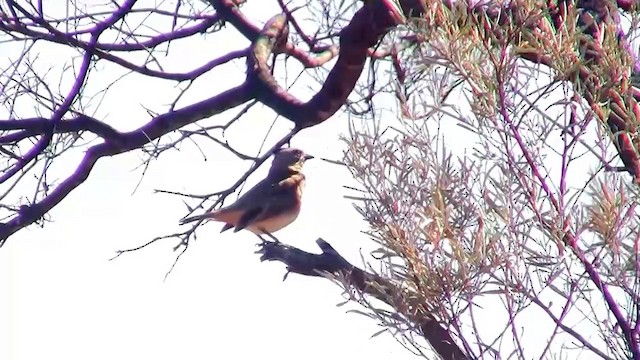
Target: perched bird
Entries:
(271, 204)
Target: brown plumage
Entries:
(271, 204)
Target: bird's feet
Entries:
(275, 239)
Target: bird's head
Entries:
(289, 158)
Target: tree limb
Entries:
(366, 28)
(330, 261)
(117, 143)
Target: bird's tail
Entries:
(227, 215)
(196, 218)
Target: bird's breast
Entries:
(276, 222)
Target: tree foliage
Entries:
(519, 241)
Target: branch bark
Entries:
(330, 261)
(365, 29)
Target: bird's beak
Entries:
(308, 157)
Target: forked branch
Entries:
(365, 30)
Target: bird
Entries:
(271, 204)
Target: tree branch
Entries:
(365, 29)
(595, 79)
(116, 143)
(329, 261)
(154, 41)
(36, 126)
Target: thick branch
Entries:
(365, 29)
(116, 143)
(37, 126)
(329, 261)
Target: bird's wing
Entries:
(256, 195)
(274, 200)
(246, 208)
(249, 217)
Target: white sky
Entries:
(62, 298)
